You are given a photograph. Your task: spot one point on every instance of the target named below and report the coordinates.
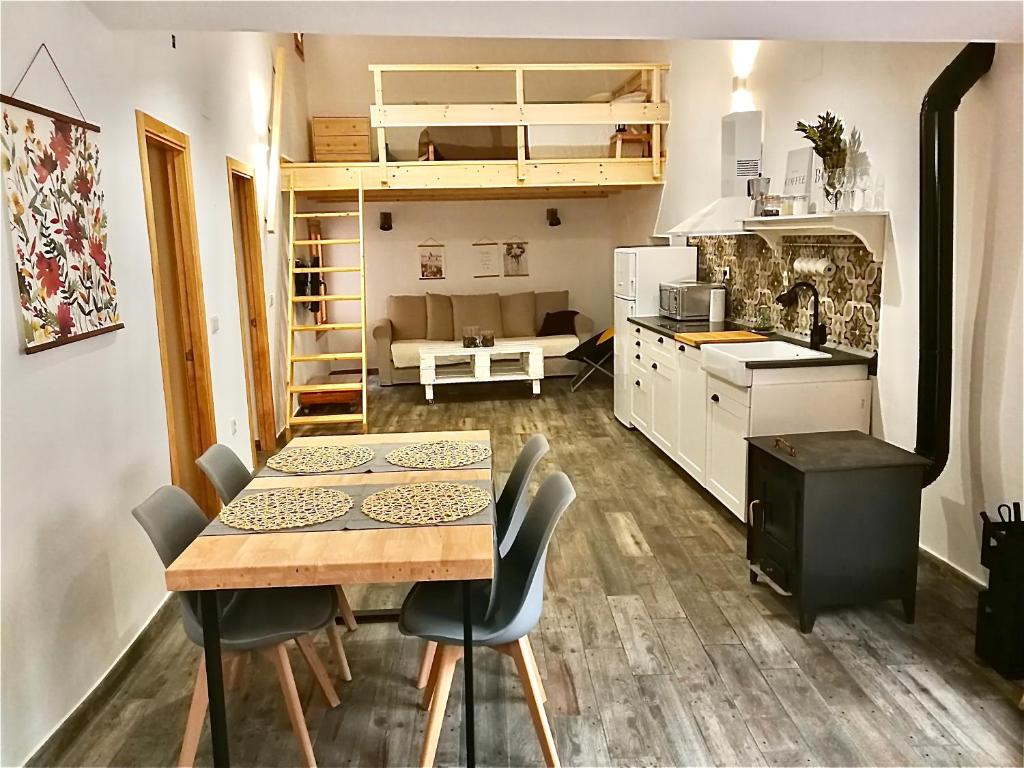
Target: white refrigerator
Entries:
(639, 271)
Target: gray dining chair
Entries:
(225, 471)
(433, 611)
(260, 620)
(508, 517)
(229, 477)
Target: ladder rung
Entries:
(330, 241)
(326, 214)
(327, 297)
(317, 270)
(354, 386)
(328, 327)
(327, 356)
(343, 418)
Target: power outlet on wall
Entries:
(726, 273)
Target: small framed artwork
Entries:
(799, 172)
(515, 258)
(431, 260)
(486, 261)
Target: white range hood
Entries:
(723, 217)
(741, 160)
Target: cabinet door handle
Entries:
(637, 330)
(661, 339)
(714, 398)
(654, 366)
(753, 517)
(637, 382)
(682, 347)
(637, 356)
(638, 342)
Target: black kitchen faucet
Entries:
(819, 333)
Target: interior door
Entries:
(251, 307)
(181, 316)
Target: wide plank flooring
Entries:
(654, 647)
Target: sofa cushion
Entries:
(439, 318)
(553, 346)
(549, 301)
(559, 323)
(518, 312)
(483, 310)
(408, 316)
(406, 354)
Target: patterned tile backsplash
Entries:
(850, 298)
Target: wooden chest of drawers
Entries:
(341, 139)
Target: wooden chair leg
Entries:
(279, 656)
(235, 667)
(527, 665)
(444, 664)
(334, 635)
(345, 610)
(431, 684)
(196, 718)
(536, 670)
(429, 647)
(316, 666)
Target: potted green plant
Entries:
(826, 136)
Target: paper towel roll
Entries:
(820, 267)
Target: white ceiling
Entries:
(878, 20)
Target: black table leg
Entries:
(467, 668)
(214, 677)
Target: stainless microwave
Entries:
(688, 299)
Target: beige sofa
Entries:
(413, 321)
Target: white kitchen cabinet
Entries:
(702, 421)
(664, 406)
(692, 401)
(640, 399)
(728, 424)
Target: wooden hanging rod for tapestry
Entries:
(46, 112)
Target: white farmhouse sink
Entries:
(729, 361)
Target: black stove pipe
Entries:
(935, 358)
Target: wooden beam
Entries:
(583, 67)
(382, 144)
(520, 129)
(276, 99)
(656, 128)
(417, 115)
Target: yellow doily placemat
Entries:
(314, 459)
(439, 454)
(425, 503)
(282, 508)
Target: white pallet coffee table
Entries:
(527, 364)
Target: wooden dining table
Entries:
(327, 558)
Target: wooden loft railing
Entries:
(521, 174)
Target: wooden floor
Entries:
(654, 647)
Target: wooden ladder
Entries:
(354, 382)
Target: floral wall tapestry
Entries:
(59, 228)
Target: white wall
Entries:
(878, 88)
(84, 430)
(575, 256)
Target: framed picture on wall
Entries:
(515, 258)
(431, 260)
(486, 261)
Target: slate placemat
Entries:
(380, 464)
(354, 519)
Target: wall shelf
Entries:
(871, 227)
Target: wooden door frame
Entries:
(151, 129)
(252, 294)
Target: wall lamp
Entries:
(385, 221)
(553, 220)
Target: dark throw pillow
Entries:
(562, 323)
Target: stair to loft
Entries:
(311, 253)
